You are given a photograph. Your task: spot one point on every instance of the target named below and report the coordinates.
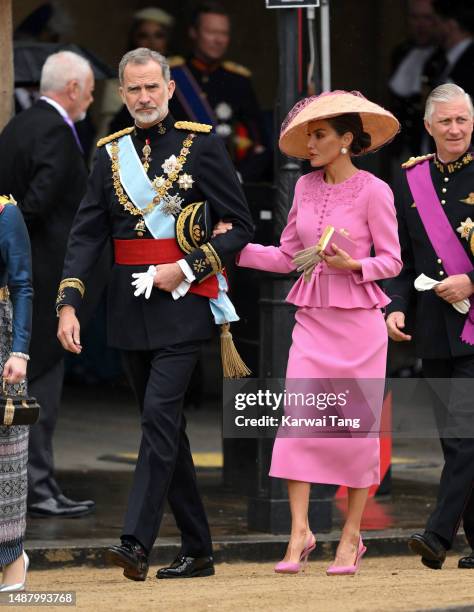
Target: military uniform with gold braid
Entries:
(202, 173)
(222, 94)
(438, 325)
(188, 183)
(438, 328)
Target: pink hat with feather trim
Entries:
(378, 122)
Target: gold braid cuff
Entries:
(212, 256)
(73, 283)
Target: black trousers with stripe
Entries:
(454, 411)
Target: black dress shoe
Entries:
(431, 564)
(428, 546)
(188, 567)
(51, 508)
(69, 503)
(467, 562)
(132, 557)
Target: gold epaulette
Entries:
(191, 126)
(416, 160)
(114, 136)
(7, 200)
(237, 69)
(176, 61)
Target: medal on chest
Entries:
(465, 228)
(162, 185)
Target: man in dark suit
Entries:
(407, 67)
(454, 61)
(146, 192)
(42, 166)
(444, 337)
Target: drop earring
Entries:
(344, 150)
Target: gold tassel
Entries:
(232, 363)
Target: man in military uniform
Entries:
(435, 219)
(218, 92)
(140, 192)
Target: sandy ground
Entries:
(383, 584)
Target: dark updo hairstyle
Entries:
(351, 122)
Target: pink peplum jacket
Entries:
(362, 205)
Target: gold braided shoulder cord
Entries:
(180, 223)
(160, 191)
(195, 228)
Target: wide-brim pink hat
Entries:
(378, 122)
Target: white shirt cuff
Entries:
(186, 269)
(181, 289)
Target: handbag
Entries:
(17, 409)
(332, 236)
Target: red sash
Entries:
(154, 251)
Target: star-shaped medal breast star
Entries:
(171, 205)
(465, 227)
(185, 181)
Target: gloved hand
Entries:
(425, 283)
(306, 260)
(144, 282)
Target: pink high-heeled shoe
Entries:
(290, 567)
(350, 570)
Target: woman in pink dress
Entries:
(339, 330)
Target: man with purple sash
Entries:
(435, 214)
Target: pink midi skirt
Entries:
(334, 343)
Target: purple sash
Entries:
(440, 233)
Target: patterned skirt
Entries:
(13, 461)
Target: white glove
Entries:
(144, 282)
(424, 283)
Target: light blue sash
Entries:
(140, 191)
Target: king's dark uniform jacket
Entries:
(438, 325)
(135, 323)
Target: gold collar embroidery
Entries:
(457, 165)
